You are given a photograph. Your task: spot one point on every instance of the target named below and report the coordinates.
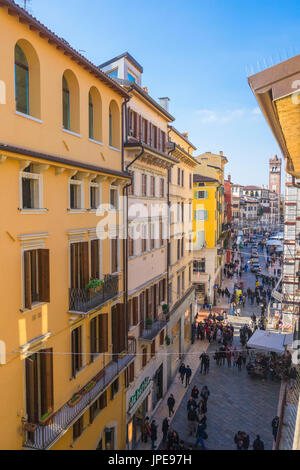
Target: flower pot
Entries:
(46, 418)
(74, 400)
(29, 427)
(89, 387)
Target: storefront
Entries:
(139, 405)
(157, 390)
(175, 350)
(188, 327)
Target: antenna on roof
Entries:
(26, 4)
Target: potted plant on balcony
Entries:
(165, 308)
(149, 323)
(29, 427)
(167, 340)
(46, 417)
(94, 285)
(89, 386)
(75, 399)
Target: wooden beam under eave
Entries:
(42, 35)
(23, 20)
(12, 12)
(33, 28)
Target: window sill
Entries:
(77, 211)
(34, 306)
(27, 116)
(114, 148)
(71, 132)
(33, 211)
(96, 142)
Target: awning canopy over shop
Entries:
(274, 242)
(268, 341)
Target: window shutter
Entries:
(46, 361)
(129, 124)
(161, 337)
(27, 279)
(95, 268)
(73, 357)
(135, 310)
(115, 330)
(155, 301)
(135, 125)
(148, 303)
(79, 347)
(150, 134)
(153, 348)
(103, 333)
(159, 140)
(131, 372)
(140, 128)
(84, 264)
(146, 131)
(123, 332)
(93, 342)
(31, 391)
(163, 289)
(44, 275)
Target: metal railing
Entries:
(45, 436)
(81, 300)
(149, 332)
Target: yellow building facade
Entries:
(65, 352)
(208, 219)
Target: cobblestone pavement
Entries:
(236, 402)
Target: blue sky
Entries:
(197, 52)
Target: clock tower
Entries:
(275, 175)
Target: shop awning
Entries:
(268, 341)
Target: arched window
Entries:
(21, 81)
(114, 125)
(95, 115)
(91, 117)
(66, 104)
(27, 79)
(70, 102)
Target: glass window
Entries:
(21, 81)
(91, 117)
(113, 73)
(66, 104)
(131, 77)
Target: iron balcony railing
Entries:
(82, 300)
(149, 332)
(45, 436)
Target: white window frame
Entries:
(39, 201)
(117, 189)
(99, 187)
(79, 183)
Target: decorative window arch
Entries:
(70, 102)
(95, 115)
(27, 79)
(114, 125)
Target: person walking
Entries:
(188, 373)
(192, 419)
(145, 429)
(202, 359)
(205, 394)
(258, 443)
(171, 404)
(165, 429)
(182, 372)
(153, 432)
(200, 436)
(275, 426)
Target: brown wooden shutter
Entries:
(153, 348)
(44, 275)
(103, 333)
(93, 338)
(79, 347)
(140, 128)
(46, 378)
(135, 310)
(144, 357)
(27, 279)
(146, 131)
(131, 372)
(84, 264)
(161, 337)
(155, 303)
(73, 350)
(95, 268)
(31, 390)
(163, 289)
(129, 126)
(123, 328)
(135, 125)
(147, 303)
(150, 134)
(115, 330)
(159, 140)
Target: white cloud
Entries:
(223, 117)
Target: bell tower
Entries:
(275, 175)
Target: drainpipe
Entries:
(125, 241)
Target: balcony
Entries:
(45, 436)
(149, 332)
(82, 301)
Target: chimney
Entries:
(185, 134)
(164, 102)
(145, 89)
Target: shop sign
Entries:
(134, 398)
